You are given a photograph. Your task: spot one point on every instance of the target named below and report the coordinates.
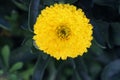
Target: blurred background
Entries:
(21, 60)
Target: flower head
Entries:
(62, 31)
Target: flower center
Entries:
(63, 32)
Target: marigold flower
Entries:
(62, 31)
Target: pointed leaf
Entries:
(5, 54)
(1, 72)
(16, 67)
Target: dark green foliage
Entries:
(111, 71)
(21, 60)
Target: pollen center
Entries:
(63, 32)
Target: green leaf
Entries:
(13, 77)
(5, 54)
(27, 73)
(111, 71)
(115, 33)
(1, 72)
(16, 67)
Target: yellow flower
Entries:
(62, 31)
